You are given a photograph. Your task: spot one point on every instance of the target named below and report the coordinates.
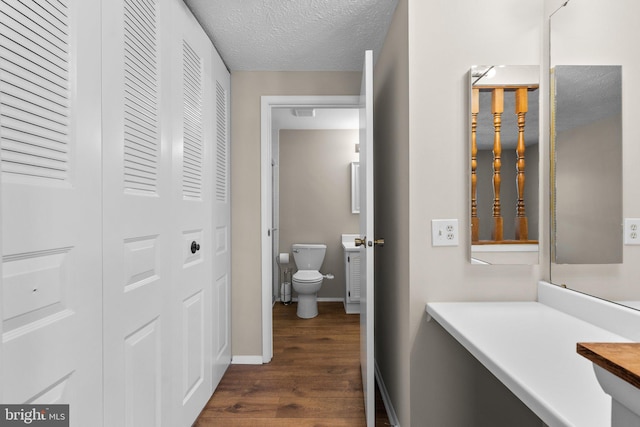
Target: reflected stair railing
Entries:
(497, 109)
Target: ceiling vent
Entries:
(303, 112)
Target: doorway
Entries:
(312, 160)
(270, 108)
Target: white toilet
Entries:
(308, 280)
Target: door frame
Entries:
(267, 103)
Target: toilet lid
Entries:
(307, 276)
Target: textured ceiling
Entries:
(520, 75)
(586, 94)
(294, 35)
(509, 129)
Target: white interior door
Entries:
(193, 145)
(366, 233)
(222, 226)
(137, 196)
(51, 348)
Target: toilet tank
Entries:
(308, 256)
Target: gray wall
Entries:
(315, 196)
(392, 176)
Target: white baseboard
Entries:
(388, 406)
(352, 308)
(322, 299)
(246, 360)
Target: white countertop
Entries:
(349, 242)
(531, 348)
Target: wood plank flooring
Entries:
(313, 379)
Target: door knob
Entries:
(361, 242)
(195, 247)
(378, 242)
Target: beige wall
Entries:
(246, 89)
(315, 196)
(445, 39)
(421, 137)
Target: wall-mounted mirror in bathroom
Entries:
(599, 33)
(504, 166)
(355, 187)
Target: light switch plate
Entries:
(632, 231)
(444, 232)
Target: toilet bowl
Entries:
(307, 281)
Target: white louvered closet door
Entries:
(222, 225)
(137, 194)
(193, 145)
(51, 209)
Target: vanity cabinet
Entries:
(352, 264)
(352, 275)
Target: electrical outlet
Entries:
(632, 231)
(444, 232)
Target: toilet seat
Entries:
(307, 276)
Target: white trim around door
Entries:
(266, 191)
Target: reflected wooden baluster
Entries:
(522, 227)
(475, 109)
(497, 107)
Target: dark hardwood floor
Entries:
(313, 380)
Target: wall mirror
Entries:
(504, 164)
(594, 65)
(355, 187)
